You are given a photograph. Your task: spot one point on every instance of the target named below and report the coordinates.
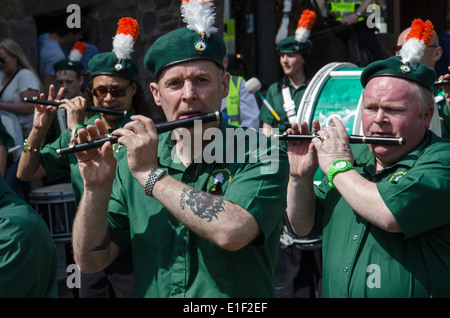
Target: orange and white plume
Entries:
(77, 51)
(199, 16)
(417, 41)
(305, 25)
(126, 35)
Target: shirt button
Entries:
(355, 237)
(345, 269)
(188, 177)
(178, 291)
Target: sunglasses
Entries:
(399, 47)
(115, 92)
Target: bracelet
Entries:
(153, 176)
(28, 148)
(74, 131)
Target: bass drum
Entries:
(336, 90)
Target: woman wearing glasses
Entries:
(112, 85)
(17, 81)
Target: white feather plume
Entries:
(199, 16)
(75, 56)
(412, 51)
(123, 46)
(302, 35)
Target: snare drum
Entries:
(56, 205)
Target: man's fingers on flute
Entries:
(146, 122)
(101, 128)
(340, 128)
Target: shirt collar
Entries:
(365, 158)
(301, 86)
(166, 145)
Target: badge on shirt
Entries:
(219, 178)
(396, 176)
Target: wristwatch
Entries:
(359, 14)
(153, 176)
(337, 167)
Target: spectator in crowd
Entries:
(17, 81)
(240, 107)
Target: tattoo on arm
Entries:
(204, 205)
(105, 243)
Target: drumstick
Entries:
(160, 128)
(253, 85)
(353, 139)
(35, 100)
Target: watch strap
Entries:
(333, 171)
(153, 176)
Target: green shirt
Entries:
(275, 99)
(444, 112)
(28, 259)
(172, 261)
(59, 167)
(362, 260)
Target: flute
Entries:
(441, 83)
(34, 100)
(160, 128)
(353, 139)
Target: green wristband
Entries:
(337, 167)
(74, 131)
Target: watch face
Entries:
(340, 164)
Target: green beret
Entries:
(290, 45)
(108, 64)
(394, 67)
(183, 45)
(68, 65)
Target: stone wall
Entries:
(17, 25)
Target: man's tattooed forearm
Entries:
(105, 243)
(202, 204)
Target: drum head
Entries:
(335, 91)
(56, 205)
(63, 187)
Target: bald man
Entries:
(431, 55)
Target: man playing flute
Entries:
(197, 228)
(382, 209)
(113, 85)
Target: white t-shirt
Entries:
(24, 80)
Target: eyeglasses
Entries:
(115, 92)
(399, 47)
